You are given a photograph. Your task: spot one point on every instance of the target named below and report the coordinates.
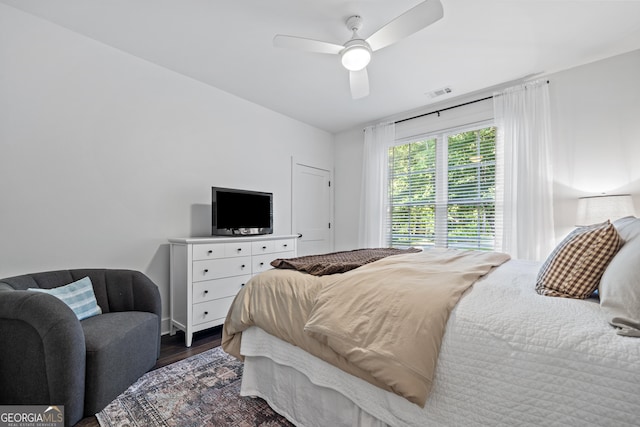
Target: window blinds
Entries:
(442, 190)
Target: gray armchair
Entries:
(48, 356)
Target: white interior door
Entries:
(312, 209)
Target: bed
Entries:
(507, 355)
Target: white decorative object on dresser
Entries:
(207, 273)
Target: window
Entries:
(442, 190)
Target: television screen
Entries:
(241, 212)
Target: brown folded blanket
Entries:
(338, 262)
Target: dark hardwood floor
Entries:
(172, 349)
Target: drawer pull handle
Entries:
(206, 313)
(264, 247)
(239, 249)
(242, 266)
(261, 264)
(206, 291)
(285, 245)
(209, 252)
(206, 271)
(242, 284)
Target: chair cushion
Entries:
(121, 347)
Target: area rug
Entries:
(203, 390)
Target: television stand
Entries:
(207, 273)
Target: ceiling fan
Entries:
(356, 53)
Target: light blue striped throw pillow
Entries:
(78, 296)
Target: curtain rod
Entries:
(445, 109)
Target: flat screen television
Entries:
(240, 212)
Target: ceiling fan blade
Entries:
(359, 82)
(413, 20)
(309, 45)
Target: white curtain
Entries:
(373, 194)
(524, 190)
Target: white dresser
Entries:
(207, 273)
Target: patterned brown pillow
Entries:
(574, 268)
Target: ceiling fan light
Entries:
(355, 58)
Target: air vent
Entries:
(439, 92)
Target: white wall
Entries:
(347, 179)
(596, 131)
(104, 156)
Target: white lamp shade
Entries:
(593, 210)
(355, 58)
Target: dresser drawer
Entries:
(287, 245)
(263, 262)
(218, 288)
(237, 249)
(211, 310)
(219, 268)
(221, 250)
(264, 247)
(208, 251)
(272, 246)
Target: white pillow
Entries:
(620, 284)
(79, 296)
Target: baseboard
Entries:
(164, 326)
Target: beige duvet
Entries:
(382, 322)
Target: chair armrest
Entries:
(42, 353)
(146, 297)
(146, 294)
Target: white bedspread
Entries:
(509, 357)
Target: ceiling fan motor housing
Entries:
(354, 23)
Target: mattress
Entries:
(509, 357)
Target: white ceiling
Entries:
(228, 44)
